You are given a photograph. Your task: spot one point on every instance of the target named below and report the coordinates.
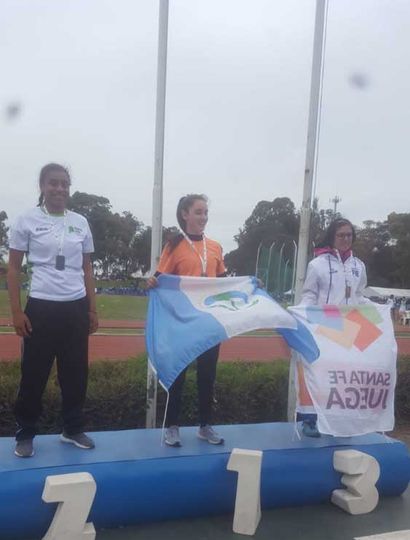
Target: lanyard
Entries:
(203, 258)
(348, 283)
(59, 237)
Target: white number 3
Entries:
(361, 474)
(75, 493)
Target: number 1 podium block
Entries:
(247, 463)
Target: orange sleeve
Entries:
(166, 262)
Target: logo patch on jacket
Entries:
(72, 229)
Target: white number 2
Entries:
(361, 474)
(75, 493)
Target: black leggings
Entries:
(205, 377)
(60, 330)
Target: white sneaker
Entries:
(207, 433)
(172, 436)
(79, 439)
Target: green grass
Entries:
(106, 283)
(108, 306)
(121, 307)
(4, 303)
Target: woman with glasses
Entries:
(335, 276)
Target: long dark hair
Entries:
(43, 173)
(184, 204)
(330, 233)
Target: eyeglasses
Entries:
(344, 235)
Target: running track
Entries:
(120, 347)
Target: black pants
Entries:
(205, 377)
(60, 330)
(306, 417)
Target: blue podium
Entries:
(138, 480)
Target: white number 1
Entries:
(75, 493)
(248, 464)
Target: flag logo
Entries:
(231, 300)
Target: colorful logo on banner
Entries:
(349, 327)
(231, 300)
(351, 385)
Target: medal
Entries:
(204, 258)
(60, 258)
(60, 262)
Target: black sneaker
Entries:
(309, 428)
(78, 439)
(24, 448)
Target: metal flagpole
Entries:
(156, 233)
(295, 255)
(310, 162)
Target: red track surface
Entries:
(121, 347)
(114, 347)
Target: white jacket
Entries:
(327, 277)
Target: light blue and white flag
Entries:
(189, 315)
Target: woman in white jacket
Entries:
(335, 276)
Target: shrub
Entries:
(244, 393)
(402, 402)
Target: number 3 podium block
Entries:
(361, 473)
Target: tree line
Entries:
(384, 246)
(123, 243)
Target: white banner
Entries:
(351, 385)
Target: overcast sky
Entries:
(84, 72)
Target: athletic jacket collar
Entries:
(322, 251)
